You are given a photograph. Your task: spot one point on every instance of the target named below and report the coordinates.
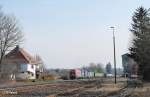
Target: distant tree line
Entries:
(93, 67)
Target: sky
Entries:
(74, 33)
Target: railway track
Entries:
(82, 91)
(75, 88)
(76, 92)
(53, 89)
(123, 92)
(36, 83)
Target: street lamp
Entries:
(113, 28)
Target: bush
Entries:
(48, 77)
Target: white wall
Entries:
(33, 70)
(27, 67)
(39, 67)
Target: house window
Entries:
(32, 74)
(32, 66)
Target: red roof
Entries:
(29, 58)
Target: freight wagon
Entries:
(83, 73)
(75, 73)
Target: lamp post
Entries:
(113, 28)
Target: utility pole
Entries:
(113, 28)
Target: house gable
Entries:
(19, 55)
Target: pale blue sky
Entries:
(73, 33)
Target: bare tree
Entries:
(40, 61)
(10, 34)
(40, 68)
(108, 68)
(95, 67)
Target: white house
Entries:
(19, 64)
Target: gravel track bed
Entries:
(51, 89)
